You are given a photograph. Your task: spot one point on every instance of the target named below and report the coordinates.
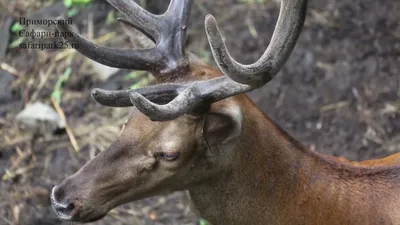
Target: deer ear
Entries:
(223, 125)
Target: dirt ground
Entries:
(339, 93)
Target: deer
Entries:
(196, 130)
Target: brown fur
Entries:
(258, 176)
(277, 181)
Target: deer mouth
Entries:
(78, 215)
(91, 218)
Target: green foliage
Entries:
(73, 6)
(57, 92)
(204, 222)
(72, 12)
(71, 3)
(111, 17)
(141, 83)
(16, 42)
(135, 75)
(139, 78)
(17, 27)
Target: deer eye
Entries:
(169, 156)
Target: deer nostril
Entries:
(65, 211)
(64, 208)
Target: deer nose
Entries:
(65, 209)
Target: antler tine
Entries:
(160, 94)
(179, 11)
(168, 31)
(288, 28)
(183, 102)
(139, 18)
(141, 59)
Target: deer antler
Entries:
(169, 101)
(160, 94)
(239, 78)
(288, 28)
(168, 31)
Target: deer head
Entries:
(183, 130)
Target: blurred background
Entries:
(339, 93)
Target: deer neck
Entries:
(265, 170)
(274, 179)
